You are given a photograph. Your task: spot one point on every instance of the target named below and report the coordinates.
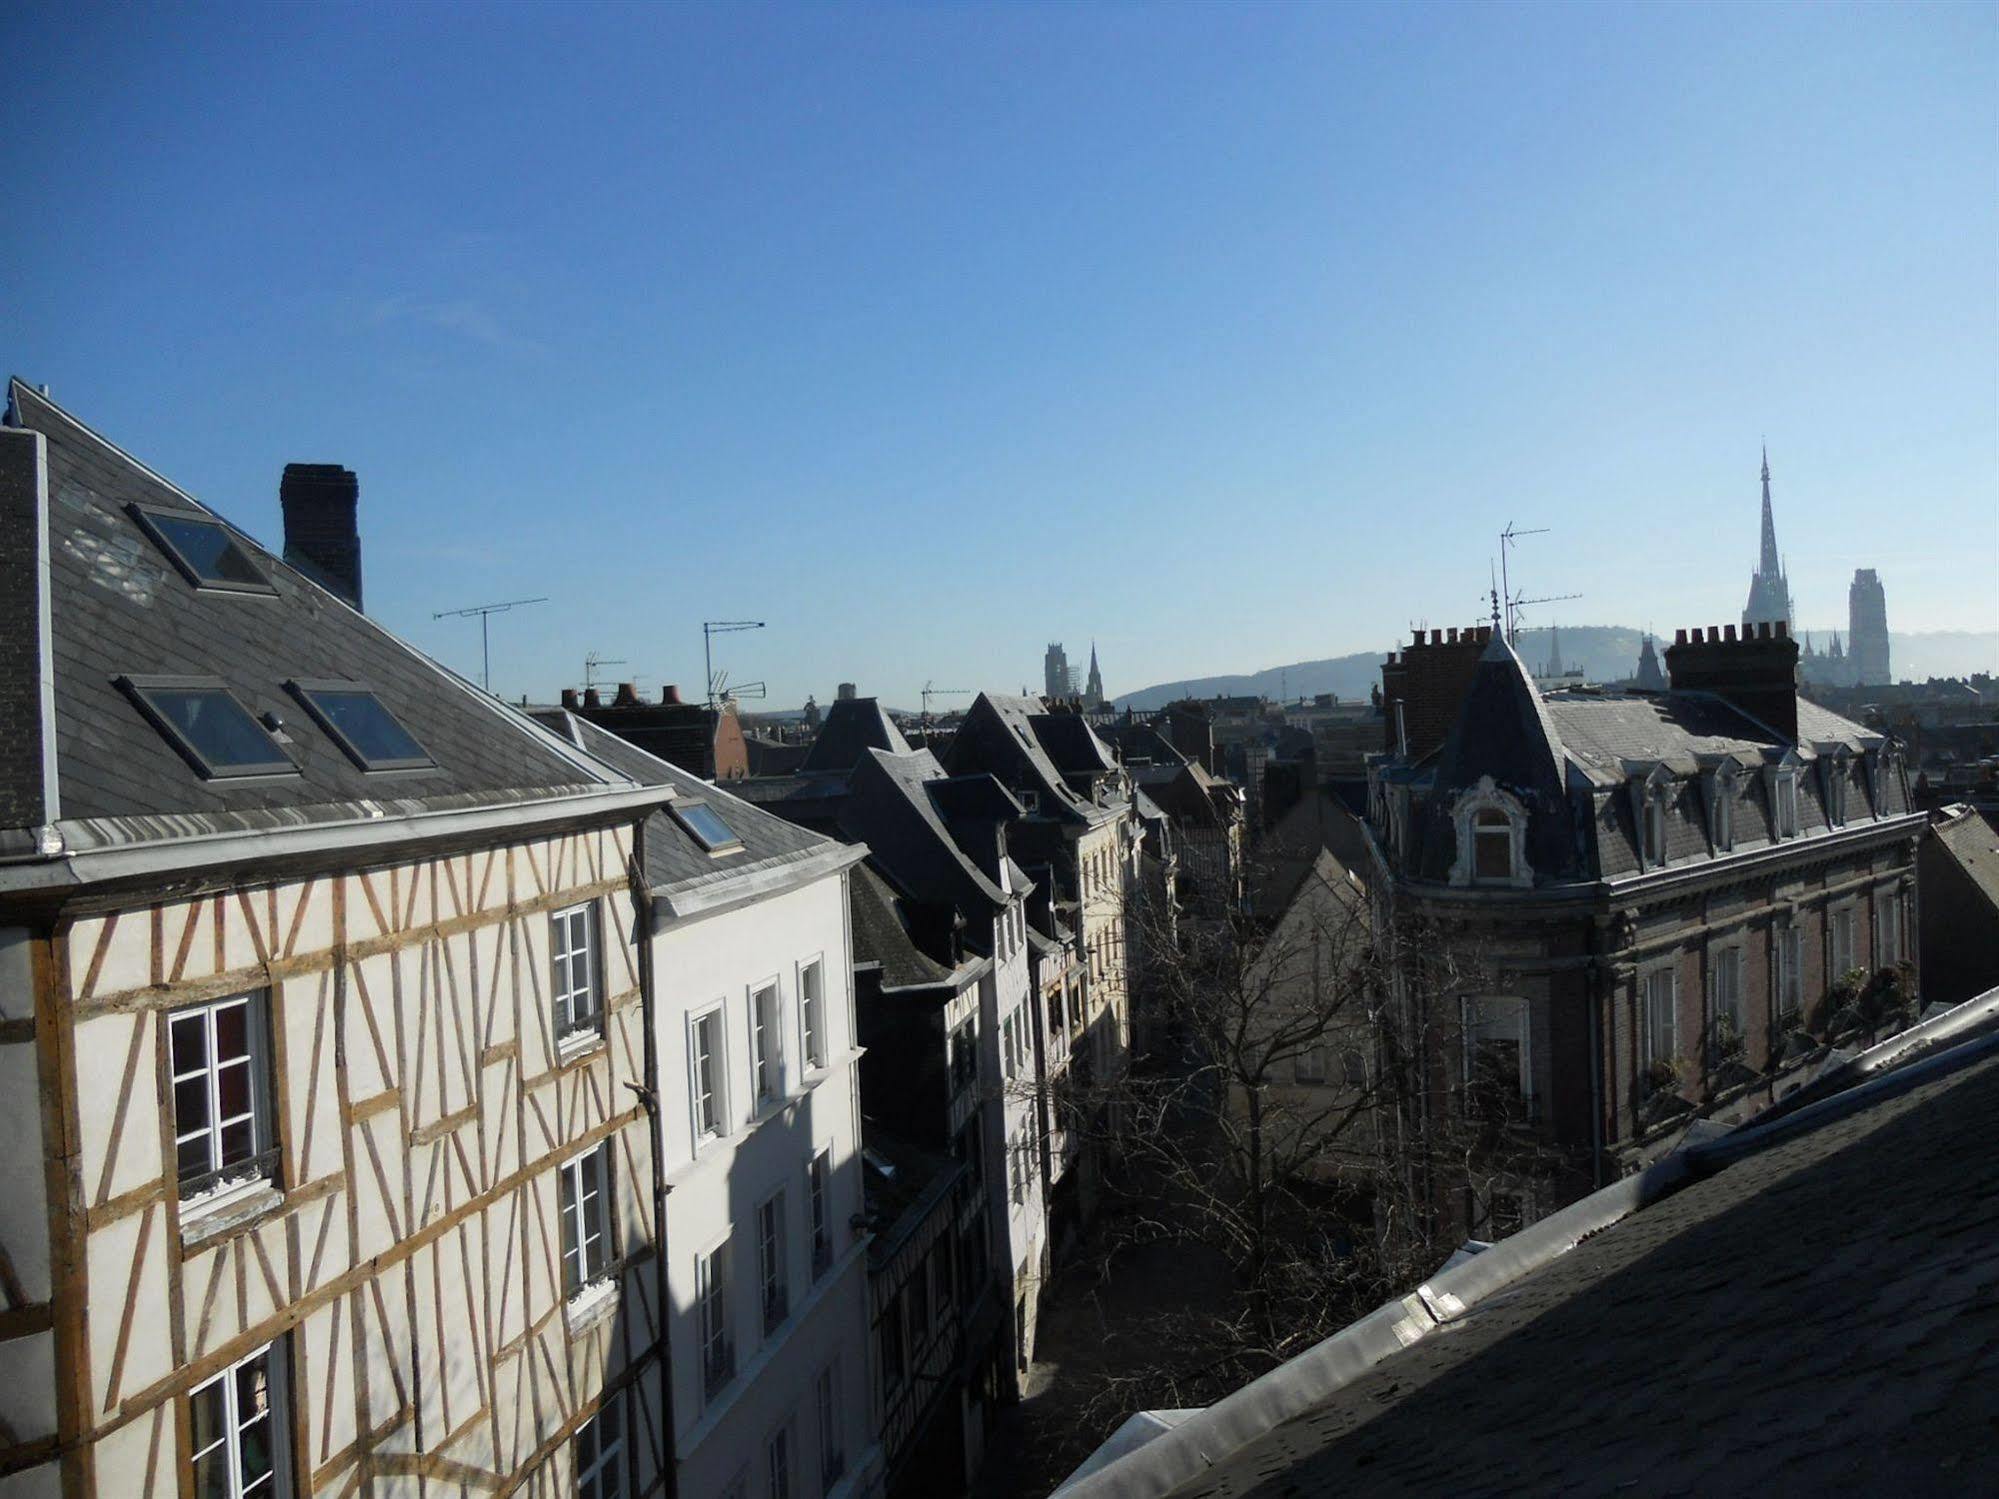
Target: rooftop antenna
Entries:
(710, 628)
(485, 613)
(590, 664)
(930, 690)
(1507, 540)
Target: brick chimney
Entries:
(570, 699)
(322, 539)
(1757, 672)
(1428, 682)
(670, 693)
(628, 695)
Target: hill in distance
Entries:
(1606, 653)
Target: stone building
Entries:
(1867, 629)
(1670, 900)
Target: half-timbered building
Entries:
(324, 1054)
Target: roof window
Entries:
(707, 826)
(207, 726)
(356, 719)
(207, 552)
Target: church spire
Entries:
(1772, 564)
(1769, 591)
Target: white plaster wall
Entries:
(715, 1192)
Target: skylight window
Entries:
(205, 724)
(205, 550)
(707, 826)
(356, 720)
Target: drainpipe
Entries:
(648, 1096)
(1596, 986)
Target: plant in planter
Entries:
(1840, 1009)
(1726, 1042)
(1664, 1075)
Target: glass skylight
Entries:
(706, 824)
(356, 720)
(204, 550)
(203, 721)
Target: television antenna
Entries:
(485, 613)
(590, 664)
(930, 691)
(1513, 603)
(710, 628)
(723, 691)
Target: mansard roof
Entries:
(120, 606)
(852, 727)
(999, 735)
(890, 808)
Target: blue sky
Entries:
(1228, 335)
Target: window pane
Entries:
(192, 1158)
(232, 1084)
(208, 549)
(218, 728)
(205, 1407)
(189, 1042)
(706, 824)
(360, 718)
(239, 1142)
(232, 1031)
(191, 1105)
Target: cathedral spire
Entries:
(1769, 590)
(1772, 565)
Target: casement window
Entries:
(709, 1081)
(1660, 1030)
(1785, 803)
(1655, 830)
(1790, 969)
(766, 1046)
(239, 1423)
(1725, 977)
(889, 1335)
(1492, 845)
(812, 1013)
(832, 1450)
(576, 981)
(1888, 931)
(777, 1463)
(600, 1453)
(586, 1219)
(219, 1054)
(819, 1191)
(1835, 791)
(711, 1296)
(1309, 1065)
(1724, 813)
(1498, 1075)
(1839, 930)
(770, 1262)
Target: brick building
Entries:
(1674, 900)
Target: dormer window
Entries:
(1655, 829)
(1492, 845)
(1835, 789)
(1721, 791)
(1492, 838)
(1784, 803)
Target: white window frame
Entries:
(223, 1181)
(1648, 1003)
(588, 1259)
(717, 1126)
(1723, 790)
(577, 1025)
(600, 1473)
(766, 1031)
(1789, 947)
(773, 1263)
(1481, 1015)
(1840, 919)
(1727, 996)
(1784, 804)
(813, 1037)
(819, 1208)
(1888, 929)
(714, 1339)
(1486, 796)
(275, 1417)
(832, 1450)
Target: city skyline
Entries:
(796, 303)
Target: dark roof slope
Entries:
(1972, 843)
(998, 736)
(880, 936)
(1818, 1317)
(120, 607)
(853, 726)
(889, 808)
(674, 858)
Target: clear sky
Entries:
(1228, 335)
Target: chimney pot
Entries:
(1699, 637)
(1454, 634)
(1763, 629)
(590, 698)
(1679, 637)
(1782, 629)
(628, 695)
(569, 698)
(1730, 632)
(670, 693)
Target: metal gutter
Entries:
(1185, 1453)
(712, 897)
(206, 850)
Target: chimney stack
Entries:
(570, 699)
(670, 694)
(591, 699)
(322, 537)
(1757, 672)
(628, 695)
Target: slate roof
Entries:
(999, 736)
(889, 808)
(852, 727)
(675, 859)
(1821, 1316)
(119, 606)
(880, 936)
(1974, 845)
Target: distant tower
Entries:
(1650, 676)
(1867, 629)
(1093, 690)
(844, 693)
(1056, 678)
(1769, 590)
(1554, 651)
